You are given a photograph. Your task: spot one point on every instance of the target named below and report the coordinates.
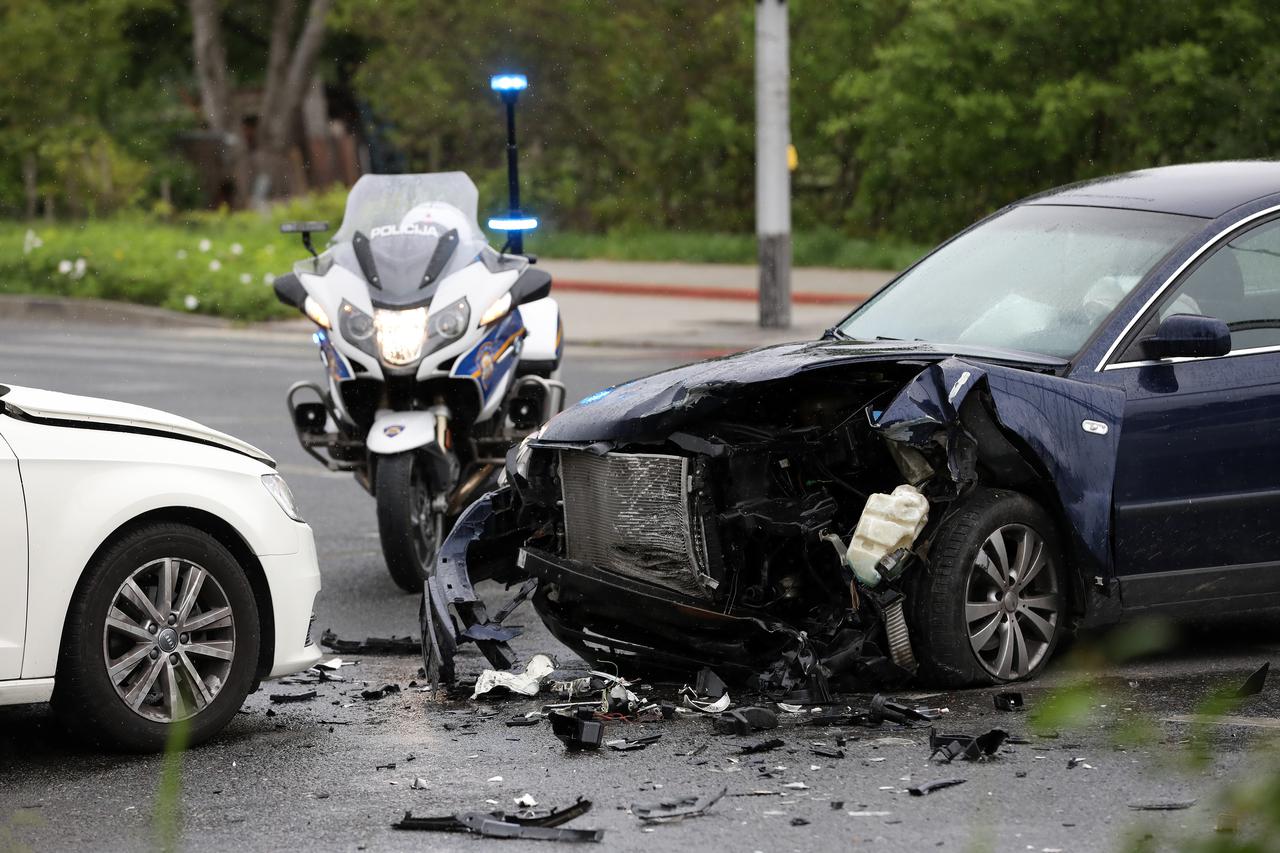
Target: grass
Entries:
(223, 264)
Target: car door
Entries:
(1197, 492)
(13, 565)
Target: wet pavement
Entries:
(315, 773)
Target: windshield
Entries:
(1038, 278)
(404, 233)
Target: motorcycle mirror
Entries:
(531, 286)
(289, 290)
(306, 229)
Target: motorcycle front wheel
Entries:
(409, 527)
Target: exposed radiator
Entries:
(628, 513)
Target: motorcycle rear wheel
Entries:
(410, 529)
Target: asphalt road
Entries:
(308, 774)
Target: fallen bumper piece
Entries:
(669, 811)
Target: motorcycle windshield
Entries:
(405, 233)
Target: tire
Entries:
(410, 531)
(192, 685)
(1015, 627)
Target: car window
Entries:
(1239, 283)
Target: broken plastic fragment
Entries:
(418, 784)
(1162, 805)
(1008, 701)
(526, 683)
(1254, 683)
(372, 645)
(948, 747)
(929, 787)
(742, 721)
(672, 810)
(281, 698)
(626, 745)
(762, 746)
(525, 801)
(384, 690)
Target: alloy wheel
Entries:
(169, 640)
(1013, 603)
(425, 521)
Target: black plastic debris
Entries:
(744, 721)
(579, 730)
(281, 698)
(949, 747)
(937, 785)
(1073, 763)
(523, 720)
(884, 708)
(1008, 701)
(828, 752)
(1253, 684)
(1162, 805)
(372, 645)
(388, 766)
(669, 811)
(762, 746)
(529, 824)
(379, 693)
(799, 821)
(709, 684)
(491, 632)
(626, 745)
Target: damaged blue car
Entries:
(1066, 414)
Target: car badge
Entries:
(393, 430)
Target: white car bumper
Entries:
(294, 580)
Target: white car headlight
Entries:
(401, 334)
(279, 490)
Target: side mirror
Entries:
(532, 285)
(1188, 336)
(290, 291)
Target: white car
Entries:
(152, 571)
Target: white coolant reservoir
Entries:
(888, 522)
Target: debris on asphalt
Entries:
(492, 632)
(529, 824)
(885, 708)
(1254, 683)
(799, 821)
(1008, 701)
(418, 784)
(671, 810)
(526, 683)
(762, 746)
(796, 786)
(372, 645)
(380, 692)
(709, 684)
(1079, 762)
(525, 801)
(530, 719)
(579, 730)
(1162, 805)
(388, 766)
(744, 721)
(281, 698)
(626, 745)
(929, 787)
(827, 751)
(949, 747)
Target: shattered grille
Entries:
(629, 513)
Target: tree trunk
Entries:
(210, 62)
(288, 76)
(30, 183)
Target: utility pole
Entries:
(773, 178)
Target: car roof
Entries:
(1195, 189)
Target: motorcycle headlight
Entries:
(401, 334)
(279, 490)
(356, 327)
(451, 321)
(497, 310)
(317, 314)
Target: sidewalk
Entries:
(705, 308)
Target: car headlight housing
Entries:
(401, 334)
(451, 321)
(279, 490)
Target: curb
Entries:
(689, 291)
(101, 311)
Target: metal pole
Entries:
(773, 179)
(516, 239)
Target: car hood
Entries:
(656, 402)
(70, 410)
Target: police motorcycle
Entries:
(440, 352)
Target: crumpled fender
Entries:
(1046, 412)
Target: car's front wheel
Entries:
(163, 632)
(991, 604)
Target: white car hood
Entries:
(52, 406)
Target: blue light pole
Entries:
(515, 223)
